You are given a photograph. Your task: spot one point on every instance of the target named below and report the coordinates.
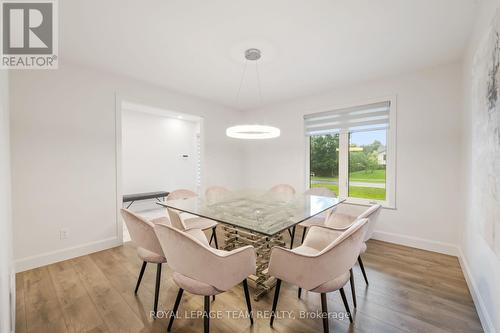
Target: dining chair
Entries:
(149, 249)
(342, 218)
(202, 270)
(321, 264)
(318, 220)
(371, 214)
(284, 189)
(216, 193)
(285, 192)
(190, 221)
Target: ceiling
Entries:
(308, 46)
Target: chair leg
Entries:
(299, 292)
(292, 236)
(344, 299)
(157, 288)
(353, 289)
(174, 311)
(324, 309)
(362, 269)
(303, 235)
(247, 298)
(206, 315)
(140, 277)
(214, 235)
(289, 232)
(275, 301)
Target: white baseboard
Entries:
(482, 312)
(419, 243)
(47, 258)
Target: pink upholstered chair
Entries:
(190, 221)
(148, 247)
(321, 264)
(203, 270)
(342, 218)
(216, 193)
(318, 220)
(284, 192)
(283, 189)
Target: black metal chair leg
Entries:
(303, 235)
(292, 236)
(157, 288)
(299, 292)
(275, 301)
(247, 298)
(140, 277)
(174, 311)
(214, 235)
(289, 232)
(324, 309)
(344, 299)
(353, 289)
(206, 315)
(362, 269)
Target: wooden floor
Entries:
(410, 291)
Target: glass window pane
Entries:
(324, 162)
(367, 164)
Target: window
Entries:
(352, 152)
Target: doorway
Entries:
(160, 151)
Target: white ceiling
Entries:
(308, 46)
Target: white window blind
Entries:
(360, 118)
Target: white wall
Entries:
(152, 153)
(481, 265)
(6, 267)
(428, 179)
(63, 157)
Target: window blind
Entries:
(359, 118)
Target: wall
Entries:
(152, 150)
(428, 199)
(63, 157)
(6, 266)
(480, 264)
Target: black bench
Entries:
(144, 196)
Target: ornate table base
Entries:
(236, 237)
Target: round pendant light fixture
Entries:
(252, 132)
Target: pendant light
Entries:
(252, 131)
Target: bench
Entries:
(144, 196)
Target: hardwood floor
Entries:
(410, 291)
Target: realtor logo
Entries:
(29, 34)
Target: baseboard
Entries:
(419, 243)
(482, 312)
(48, 258)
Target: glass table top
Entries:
(262, 212)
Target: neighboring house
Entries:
(382, 155)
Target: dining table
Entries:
(257, 218)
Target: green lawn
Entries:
(377, 176)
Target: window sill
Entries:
(369, 202)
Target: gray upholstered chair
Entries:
(189, 221)
(203, 270)
(148, 247)
(321, 264)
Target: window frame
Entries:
(390, 182)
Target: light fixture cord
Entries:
(241, 83)
(258, 82)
